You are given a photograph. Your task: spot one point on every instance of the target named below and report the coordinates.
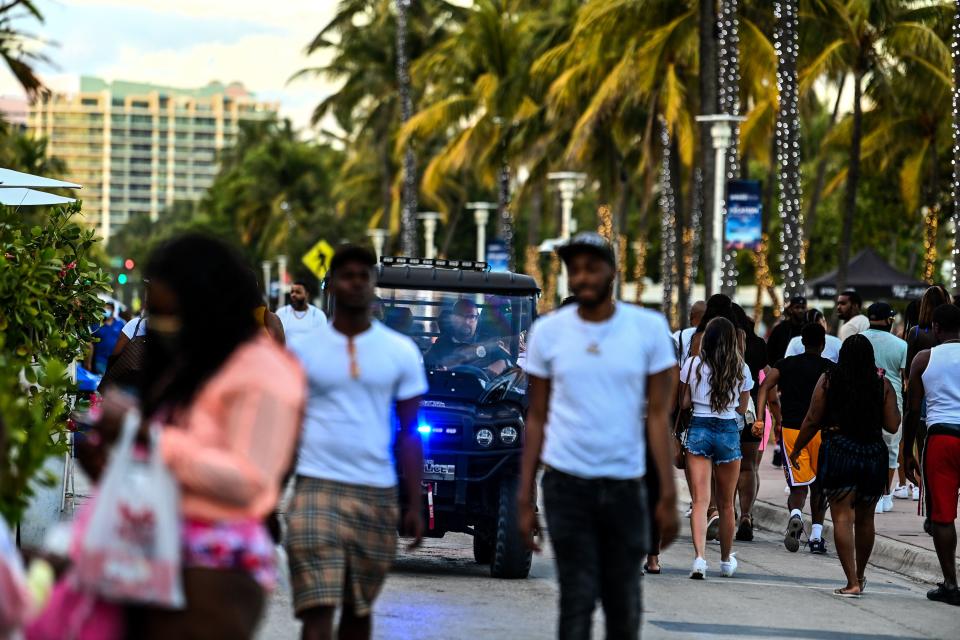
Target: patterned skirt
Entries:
(848, 466)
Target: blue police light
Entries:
(424, 430)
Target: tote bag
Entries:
(131, 549)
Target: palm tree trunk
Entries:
(853, 178)
(821, 173)
(708, 105)
(682, 237)
(955, 51)
(668, 222)
(503, 208)
(728, 80)
(788, 147)
(408, 216)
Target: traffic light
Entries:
(129, 264)
(122, 278)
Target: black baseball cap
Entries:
(797, 301)
(880, 312)
(587, 242)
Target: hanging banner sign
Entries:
(497, 256)
(744, 227)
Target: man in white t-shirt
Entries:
(831, 350)
(302, 322)
(594, 368)
(850, 310)
(342, 525)
(683, 337)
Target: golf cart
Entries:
(471, 325)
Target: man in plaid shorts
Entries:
(342, 523)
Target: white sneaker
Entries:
(699, 570)
(879, 507)
(728, 568)
(903, 491)
(887, 502)
(915, 494)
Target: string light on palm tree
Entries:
(728, 56)
(408, 215)
(931, 220)
(668, 223)
(786, 43)
(955, 186)
(639, 267)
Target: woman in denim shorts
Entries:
(718, 384)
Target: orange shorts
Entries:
(807, 460)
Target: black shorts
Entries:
(747, 437)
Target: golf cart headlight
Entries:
(508, 435)
(484, 437)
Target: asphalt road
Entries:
(439, 593)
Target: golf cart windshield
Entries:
(479, 333)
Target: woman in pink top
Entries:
(230, 402)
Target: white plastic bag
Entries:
(131, 549)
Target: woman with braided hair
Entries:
(852, 405)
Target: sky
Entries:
(184, 43)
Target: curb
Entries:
(891, 554)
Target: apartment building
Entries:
(137, 148)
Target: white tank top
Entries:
(941, 383)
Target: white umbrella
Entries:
(19, 196)
(12, 179)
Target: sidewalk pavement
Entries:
(901, 544)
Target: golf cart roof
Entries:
(451, 275)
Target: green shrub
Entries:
(48, 305)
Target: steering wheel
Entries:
(472, 370)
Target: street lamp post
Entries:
(265, 265)
(429, 219)
(720, 134)
(282, 276)
(569, 183)
(481, 216)
(378, 237)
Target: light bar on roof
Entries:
(436, 263)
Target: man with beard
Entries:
(301, 320)
(794, 317)
(849, 306)
(458, 344)
(593, 368)
(342, 522)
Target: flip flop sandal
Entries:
(654, 572)
(863, 585)
(843, 594)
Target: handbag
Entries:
(131, 549)
(125, 368)
(681, 422)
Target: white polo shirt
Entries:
(596, 425)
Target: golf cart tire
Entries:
(482, 545)
(511, 558)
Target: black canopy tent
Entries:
(872, 277)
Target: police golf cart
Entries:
(471, 326)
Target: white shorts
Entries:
(892, 440)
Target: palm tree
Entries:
(14, 45)
(362, 37)
(955, 187)
(866, 38)
(788, 146)
(408, 219)
(478, 98)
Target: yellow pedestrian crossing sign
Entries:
(318, 258)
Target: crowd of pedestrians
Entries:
(238, 403)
